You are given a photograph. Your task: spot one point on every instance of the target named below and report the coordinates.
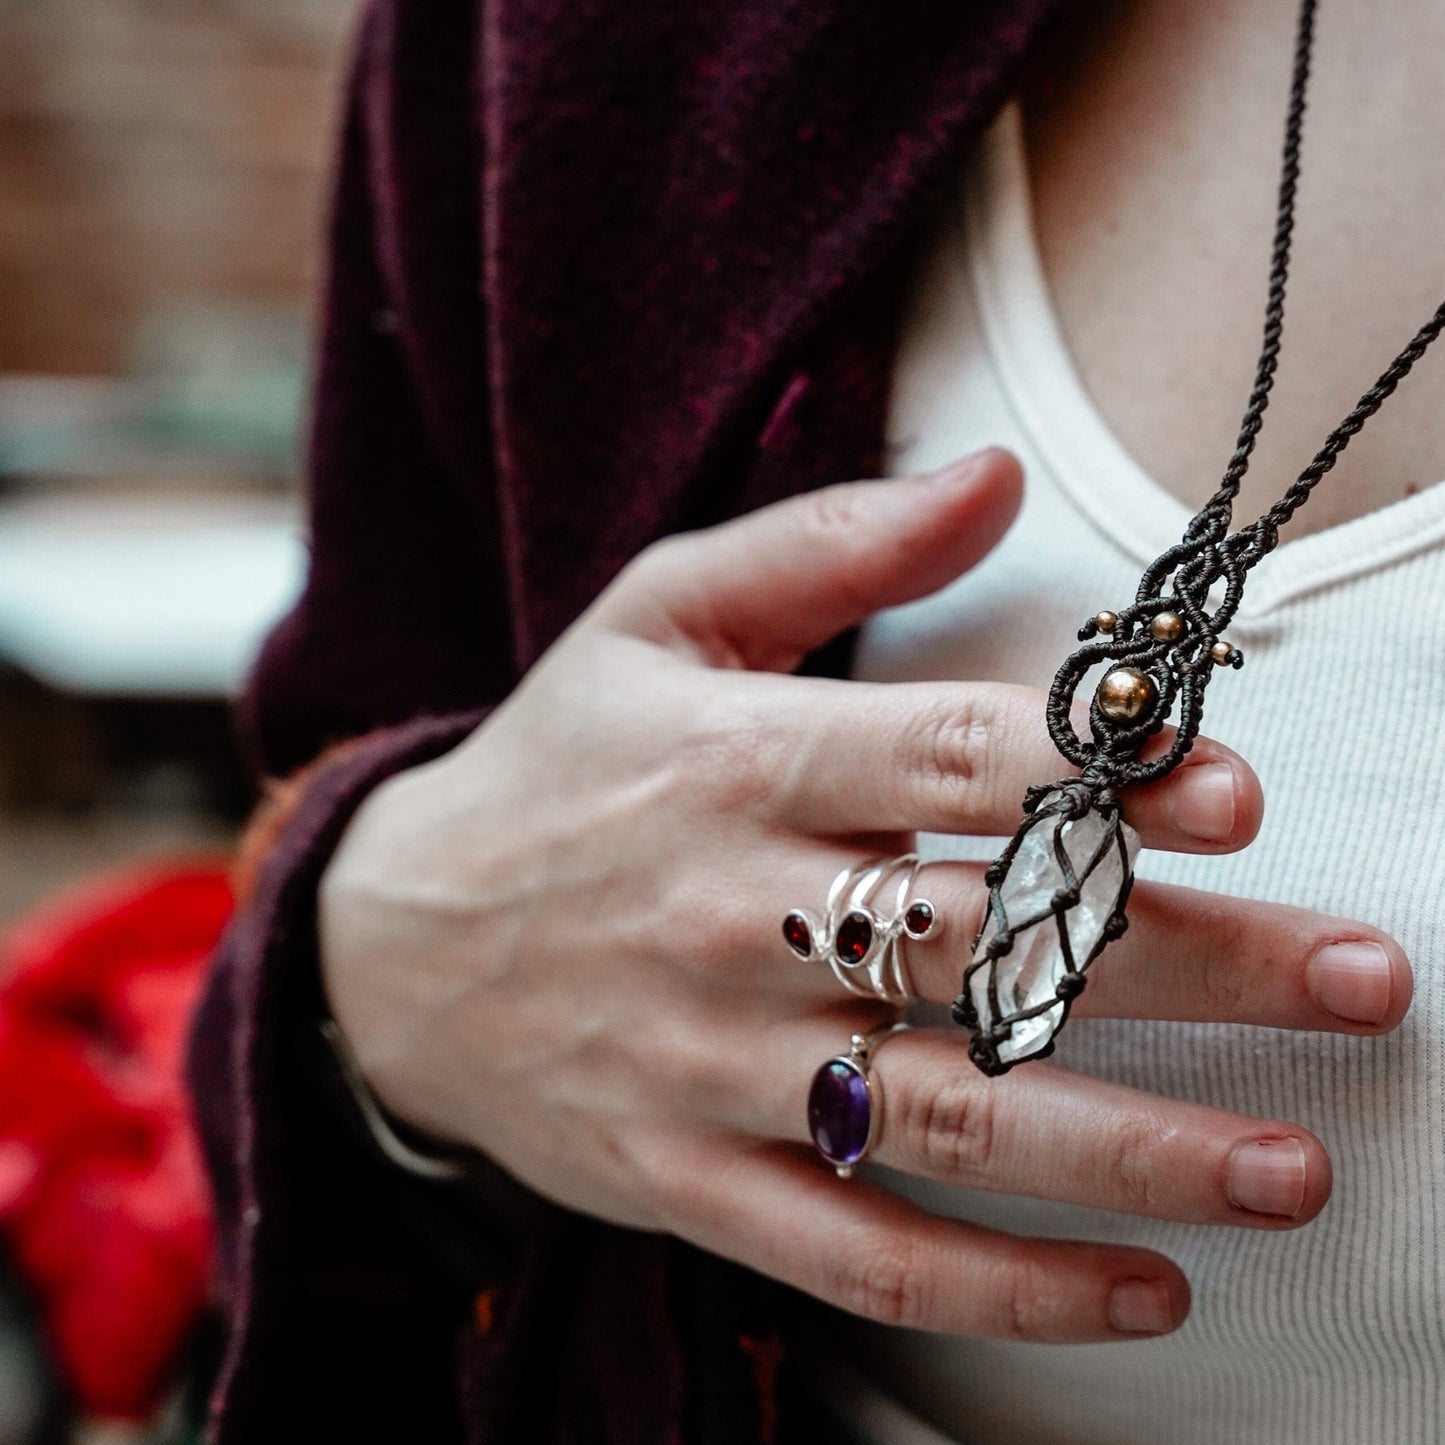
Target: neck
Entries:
(1154, 151)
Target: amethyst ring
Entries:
(845, 1103)
(858, 939)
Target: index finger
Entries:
(958, 757)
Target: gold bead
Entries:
(1220, 651)
(1126, 694)
(1106, 621)
(1166, 627)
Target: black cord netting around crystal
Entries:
(1054, 808)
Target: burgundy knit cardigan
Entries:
(600, 271)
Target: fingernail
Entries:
(961, 472)
(1201, 802)
(1267, 1176)
(954, 474)
(1141, 1307)
(1351, 981)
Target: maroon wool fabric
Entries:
(599, 272)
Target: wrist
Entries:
(397, 1142)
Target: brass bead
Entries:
(1126, 694)
(1220, 651)
(1106, 621)
(1166, 627)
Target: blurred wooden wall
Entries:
(155, 152)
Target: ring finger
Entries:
(1052, 1134)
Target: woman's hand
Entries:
(561, 943)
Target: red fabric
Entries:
(103, 1197)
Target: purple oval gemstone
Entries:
(840, 1111)
(855, 938)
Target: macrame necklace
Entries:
(1058, 891)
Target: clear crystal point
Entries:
(1029, 974)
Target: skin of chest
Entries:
(1154, 130)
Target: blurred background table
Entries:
(143, 596)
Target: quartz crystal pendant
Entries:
(1056, 897)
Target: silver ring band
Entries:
(860, 944)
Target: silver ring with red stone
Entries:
(845, 1104)
(860, 943)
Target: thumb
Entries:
(766, 589)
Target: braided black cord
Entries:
(1215, 514)
(1180, 581)
(1339, 439)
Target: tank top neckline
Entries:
(1089, 462)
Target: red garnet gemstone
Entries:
(919, 919)
(855, 938)
(798, 935)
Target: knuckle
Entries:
(887, 1283)
(1026, 1303)
(1134, 1158)
(662, 579)
(835, 515)
(951, 1129)
(674, 1057)
(959, 742)
(682, 929)
(834, 523)
(700, 1072)
(728, 950)
(1227, 983)
(690, 923)
(1226, 989)
(654, 566)
(666, 1178)
(735, 756)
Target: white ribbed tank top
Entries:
(1333, 1333)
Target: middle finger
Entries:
(1196, 957)
(1188, 956)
